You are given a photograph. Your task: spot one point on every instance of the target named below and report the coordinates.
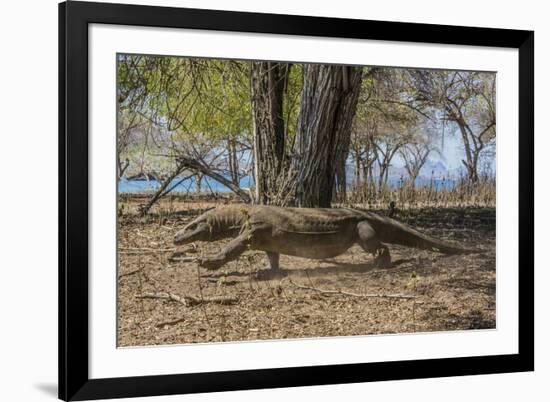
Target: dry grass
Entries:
(462, 194)
(451, 292)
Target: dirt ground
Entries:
(315, 298)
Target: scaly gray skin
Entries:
(316, 233)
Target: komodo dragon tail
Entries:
(394, 232)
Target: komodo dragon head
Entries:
(216, 224)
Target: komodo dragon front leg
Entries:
(368, 240)
(236, 247)
(230, 252)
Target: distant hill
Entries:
(432, 169)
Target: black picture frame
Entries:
(74, 18)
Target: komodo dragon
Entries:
(303, 232)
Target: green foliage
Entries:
(206, 100)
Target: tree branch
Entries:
(199, 167)
(189, 301)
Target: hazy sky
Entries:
(451, 155)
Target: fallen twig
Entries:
(182, 259)
(171, 322)
(135, 271)
(188, 301)
(343, 292)
(143, 250)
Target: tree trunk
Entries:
(198, 183)
(267, 84)
(341, 180)
(328, 105)
(122, 168)
(233, 161)
(357, 173)
(366, 180)
(472, 147)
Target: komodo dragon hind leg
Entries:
(368, 240)
(382, 257)
(273, 259)
(230, 252)
(273, 270)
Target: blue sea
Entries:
(187, 186)
(210, 185)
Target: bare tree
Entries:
(466, 99)
(385, 149)
(414, 156)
